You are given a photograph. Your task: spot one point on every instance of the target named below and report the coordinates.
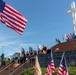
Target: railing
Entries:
(6, 67)
(18, 70)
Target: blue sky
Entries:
(47, 20)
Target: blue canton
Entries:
(2, 5)
(64, 64)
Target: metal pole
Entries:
(2, 49)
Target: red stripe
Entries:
(8, 23)
(12, 17)
(13, 22)
(15, 16)
(61, 72)
(17, 29)
(14, 11)
(14, 28)
(51, 68)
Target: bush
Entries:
(30, 71)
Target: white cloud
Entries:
(7, 43)
(33, 45)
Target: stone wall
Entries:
(70, 58)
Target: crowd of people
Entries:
(24, 56)
(69, 37)
(28, 55)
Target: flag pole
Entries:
(2, 49)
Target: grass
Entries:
(30, 71)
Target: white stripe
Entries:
(60, 72)
(12, 25)
(13, 16)
(52, 67)
(17, 14)
(52, 64)
(13, 21)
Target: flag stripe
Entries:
(13, 27)
(16, 30)
(63, 67)
(51, 66)
(16, 13)
(9, 24)
(12, 21)
(12, 18)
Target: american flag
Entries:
(63, 67)
(51, 65)
(12, 18)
